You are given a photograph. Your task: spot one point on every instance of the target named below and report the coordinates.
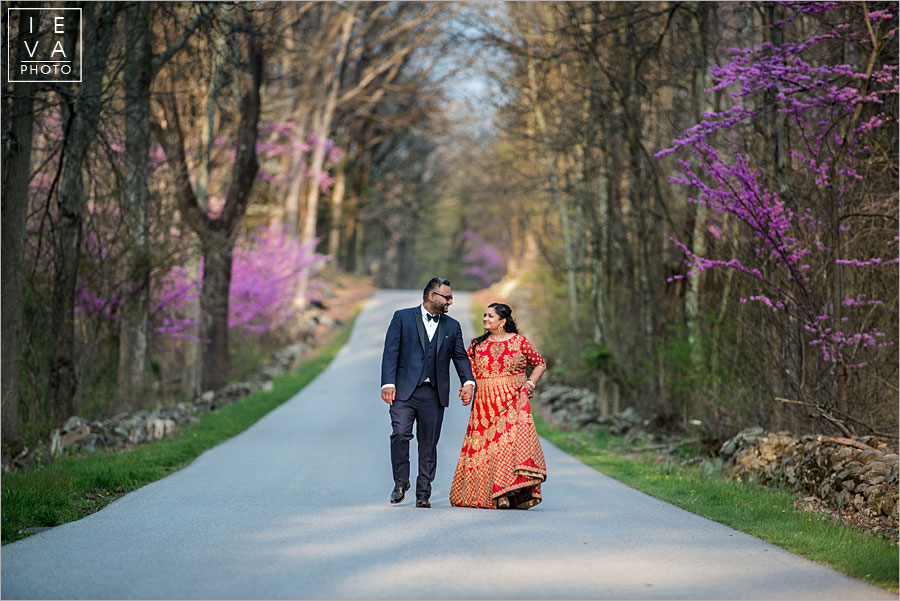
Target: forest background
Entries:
(697, 199)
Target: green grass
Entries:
(765, 513)
(73, 487)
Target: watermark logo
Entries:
(37, 48)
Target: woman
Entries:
(501, 465)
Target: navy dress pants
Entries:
(425, 409)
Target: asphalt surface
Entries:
(297, 507)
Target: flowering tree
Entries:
(484, 262)
(218, 234)
(282, 138)
(813, 221)
(269, 266)
(266, 270)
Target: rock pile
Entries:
(129, 429)
(861, 474)
(579, 408)
(847, 475)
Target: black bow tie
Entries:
(431, 317)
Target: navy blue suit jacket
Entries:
(403, 359)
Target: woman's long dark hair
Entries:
(503, 312)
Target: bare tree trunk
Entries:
(744, 29)
(728, 274)
(360, 268)
(611, 223)
(315, 53)
(603, 392)
(348, 240)
(131, 375)
(209, 124)
(774, 143)
(555, 192)
(193, 351)
(297, 173)
(141, 67)
(81, 130)
(356, 220)
(217, 236)
(567, 236)
(217, 264)
(595, 202)
(337, 206)
(317, 162)
(214, 306)
(617, 239)
(744, 13)
(637, 194)
(323, 128)
(836, 279)
(16, 170)
(698, 21)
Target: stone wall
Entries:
(571, 408)
(860, 473)
(79, 435)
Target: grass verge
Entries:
(73, 487)
(761, 512)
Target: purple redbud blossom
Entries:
(484, 261)
(789, 240)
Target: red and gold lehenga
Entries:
(501, 453)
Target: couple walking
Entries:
(501, 464)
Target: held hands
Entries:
(465, 394)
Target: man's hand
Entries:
(465, 393)
(389, 394)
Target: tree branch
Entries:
(206, 10)
(171, 139)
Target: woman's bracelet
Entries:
(531, 382)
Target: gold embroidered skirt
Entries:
(501, 453)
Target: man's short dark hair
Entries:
(434, 284)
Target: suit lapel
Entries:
(420, 327)
(440, 336)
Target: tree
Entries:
(17, 136)
(800, 234)
(217, 234)
(82, 113)
(141, 66)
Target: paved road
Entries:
(297, 507)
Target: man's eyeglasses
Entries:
(449, 298)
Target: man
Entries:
(415, 382)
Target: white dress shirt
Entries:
(430, 324)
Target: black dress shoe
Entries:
(422, 502)
(399, 492)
